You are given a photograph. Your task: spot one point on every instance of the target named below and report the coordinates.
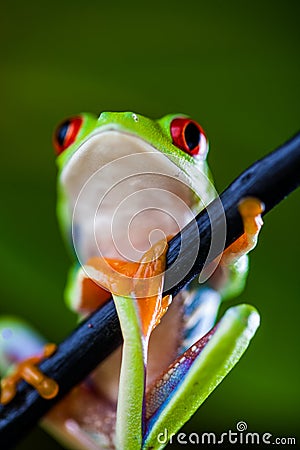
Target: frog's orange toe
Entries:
(8, 391)
(28, 371)
(48, 388)
(49, 349)
(251, 207)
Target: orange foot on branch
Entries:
(250, 209)
(28, 371)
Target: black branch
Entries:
(270, 179)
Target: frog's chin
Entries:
(123, 195)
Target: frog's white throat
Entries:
(123, 195)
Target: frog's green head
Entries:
(123, 173)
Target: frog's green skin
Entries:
(178, 386)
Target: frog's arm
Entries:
(129, 426)
(228, 280)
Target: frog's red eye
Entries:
(189, 136)
(66, 133)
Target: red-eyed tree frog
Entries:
(126, 185)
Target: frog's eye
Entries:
(66, 133)
(189, 136)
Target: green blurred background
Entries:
(234, 67)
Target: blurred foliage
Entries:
(233, 66)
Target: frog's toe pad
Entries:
(251, 207)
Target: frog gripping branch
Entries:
(127, 184)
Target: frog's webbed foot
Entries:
(28, 371)
(250, 209)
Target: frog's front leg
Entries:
(202, 301)
(250, 210)
(230, 276)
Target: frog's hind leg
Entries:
(21, 349)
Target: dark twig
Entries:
(271, 179)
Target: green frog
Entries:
(126, 185)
